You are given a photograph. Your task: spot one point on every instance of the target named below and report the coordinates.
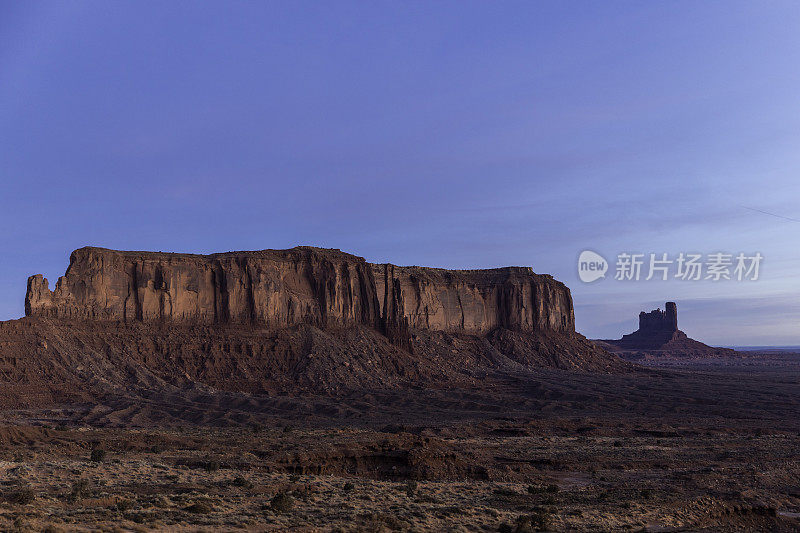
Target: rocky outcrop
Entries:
(305, 320)
(474, 301)
(658, 333)
(656, 329)
(659, 321)
(304, 285)
(273, 288)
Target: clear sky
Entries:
(453, 134)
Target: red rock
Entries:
(304, 285)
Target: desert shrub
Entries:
(348, 487)
(211, 466)
(160, 501)
(281, 503)
(382, 522)
(124, 505)
(538, 520)
(242, 482)
(200, 508)
(304, 492)
(79, 489)
(539, 489)
(19, 524)
(765, 510)
(427, 498)
(139, 518)
(98, 454)
(21, 496)
(450, 510)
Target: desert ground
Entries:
(702, 445)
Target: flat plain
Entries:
(701, 445)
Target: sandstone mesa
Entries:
(303, 285)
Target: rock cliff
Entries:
(305, 320)
(304, 285)
(274, 288)
(474, 301)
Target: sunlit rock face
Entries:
(272, 288)
(280, 288)
(474, 301)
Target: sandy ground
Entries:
(711, 446)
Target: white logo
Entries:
(591, 266)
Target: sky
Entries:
(450, 134)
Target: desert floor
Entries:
(688, 446)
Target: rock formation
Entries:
(656, 329)
(273, 288)
(304, 320)
(304, 285)
(658, 320)
(658, 332)
(475, 301)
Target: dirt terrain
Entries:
(709, 447)
(45, 361)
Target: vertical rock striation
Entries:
(475, 301)
(272, 288)
(280, 288)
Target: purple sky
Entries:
(461, 135)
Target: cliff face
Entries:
(279, 322)
(474, 301)
(279, 288)
(273, 288)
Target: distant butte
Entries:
(658, 334)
